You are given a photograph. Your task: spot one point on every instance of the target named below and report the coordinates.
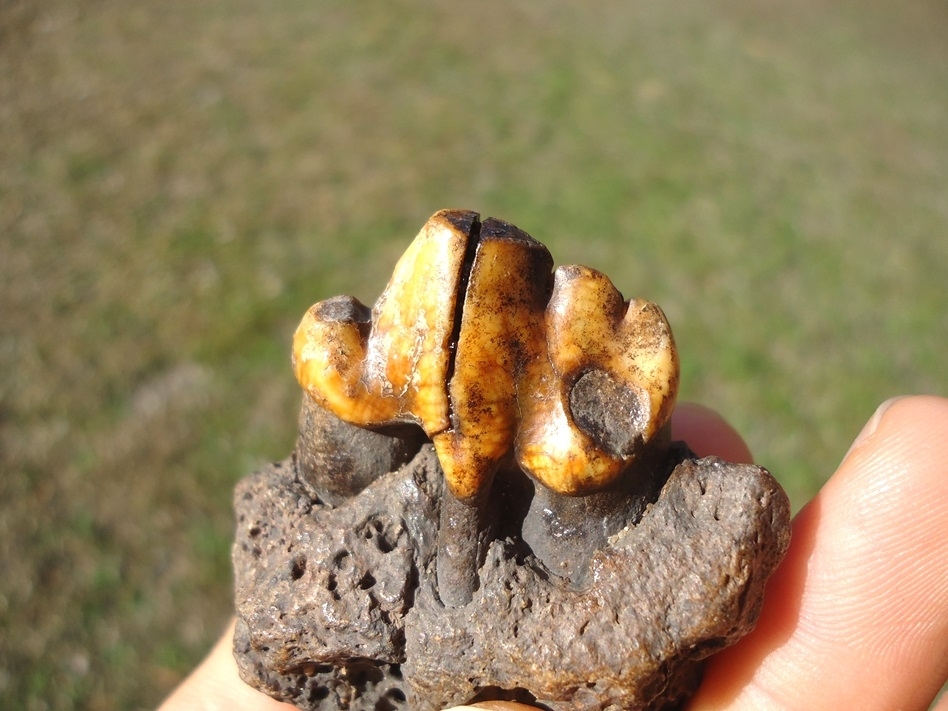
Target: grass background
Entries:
(179, 181)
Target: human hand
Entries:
(856, 616)
(216, 686)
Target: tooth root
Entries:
(335, 459)
(501, 328)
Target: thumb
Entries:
(494, 706)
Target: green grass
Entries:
(179, 181)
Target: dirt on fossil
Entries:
(338, 606)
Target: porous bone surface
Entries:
(337, 606)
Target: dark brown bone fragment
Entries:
(337, 607)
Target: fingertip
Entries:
(904, 421)
(215, 685)
(494, 706)
(708, 434)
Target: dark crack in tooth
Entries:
(392, 367)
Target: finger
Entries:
(216, 686)
(494, 706)
(857, 614)
(707, 433)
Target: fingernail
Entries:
(872, 425)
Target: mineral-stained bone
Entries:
(337, 608)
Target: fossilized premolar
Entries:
(493, 353)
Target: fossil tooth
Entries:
(501, 329)
(390, 365)
(623, 355)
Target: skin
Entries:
(856, 616)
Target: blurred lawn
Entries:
(179, 181)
